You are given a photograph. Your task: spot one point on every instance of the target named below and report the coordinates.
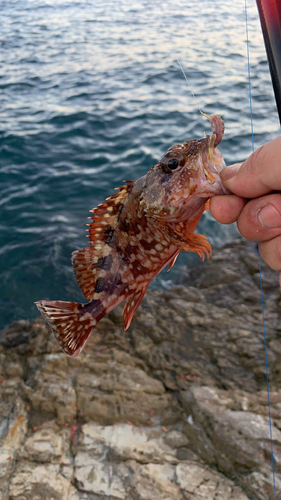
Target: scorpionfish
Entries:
(136, 233)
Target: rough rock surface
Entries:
(173, 409)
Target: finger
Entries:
(226, 209)
(258, 175)
(260, 219)
(271, 252)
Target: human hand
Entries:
(256, 200)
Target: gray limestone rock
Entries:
(237, 442)
(173, 409)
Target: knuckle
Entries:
(247, 223)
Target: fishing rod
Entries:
(270, 17)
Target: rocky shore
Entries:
(173, 409)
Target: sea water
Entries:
(91, 93)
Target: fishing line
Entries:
(253, 148)
(262, 298)
(176, 56)
(260, 270)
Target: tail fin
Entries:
(71, 325)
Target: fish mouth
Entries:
(211, 161)
(210, 166)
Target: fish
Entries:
(137, 232)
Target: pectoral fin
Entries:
(196, 243)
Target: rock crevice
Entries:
(173, 409)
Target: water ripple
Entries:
(91, 94)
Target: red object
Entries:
(270, 17)
(73, 431)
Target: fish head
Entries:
(186, 172)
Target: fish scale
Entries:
(135, 233)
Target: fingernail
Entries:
(269, 217)
(229, 172)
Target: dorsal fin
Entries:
(90, 263)
(132, 303)
(105, 216)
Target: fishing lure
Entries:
(136, 233)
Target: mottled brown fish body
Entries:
(136, 233)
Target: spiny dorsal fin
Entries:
(90, 263)
(105, 216)
(132, 303)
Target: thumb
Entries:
(258, 175)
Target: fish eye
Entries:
(171, 161)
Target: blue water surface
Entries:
(91, 93)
